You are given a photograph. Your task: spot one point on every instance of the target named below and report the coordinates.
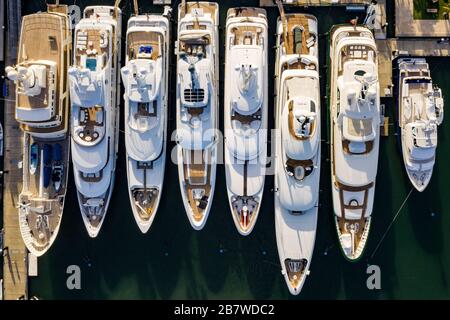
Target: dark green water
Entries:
(174, 261)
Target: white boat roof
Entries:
(90, 159)
(143, 78)
(351, 85)
(144, 135)
(34, 84)
(247, 78)
(195, 132)
(421, 139)
(359, 107)
(97, 189)
(248, 143)
(199, 80)
(87, 77)
(302, 91)
(299, 196)
(89, 84)
(422, 111)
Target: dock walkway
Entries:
(271, 3)
(14, 253)
(407, 26)
(390, 49)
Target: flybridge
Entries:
(140, 80)
(36, 80)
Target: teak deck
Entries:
(41, 36)
(294, 20)
(140, 38)
(199, 172)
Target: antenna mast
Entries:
(283, 19)
(136, 7)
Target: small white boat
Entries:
(245, 113)
(42, 110)
(197, 106)
(354, 134)
(145, 78)
(94, 94)
(34, 158)
(57, 168)
(421, 111)
(297, 153)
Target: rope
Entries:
(392, 222)
(283, 18)
(136, 8)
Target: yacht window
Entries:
(313, 106)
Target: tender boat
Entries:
(94, 93)
(145, 78)
(354, 134)
(57, 167)
(34, 158)
(42, 111)
(297, 151)
(197, 106)
(245, 113)
(421, 111)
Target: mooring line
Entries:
(392, 222)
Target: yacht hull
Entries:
(297, 146)
(245, 114)
(95, 111)
(244, 177)
(353, 168)
(296, 236)
(419, 113)
(197, 107)
(156, 178)
(42, 112)
(146, 147)
(93, 227)
(36, 240)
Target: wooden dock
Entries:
(380, 23)
(305, 3)
(14, 250)
(392, 48)
(2, 31)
